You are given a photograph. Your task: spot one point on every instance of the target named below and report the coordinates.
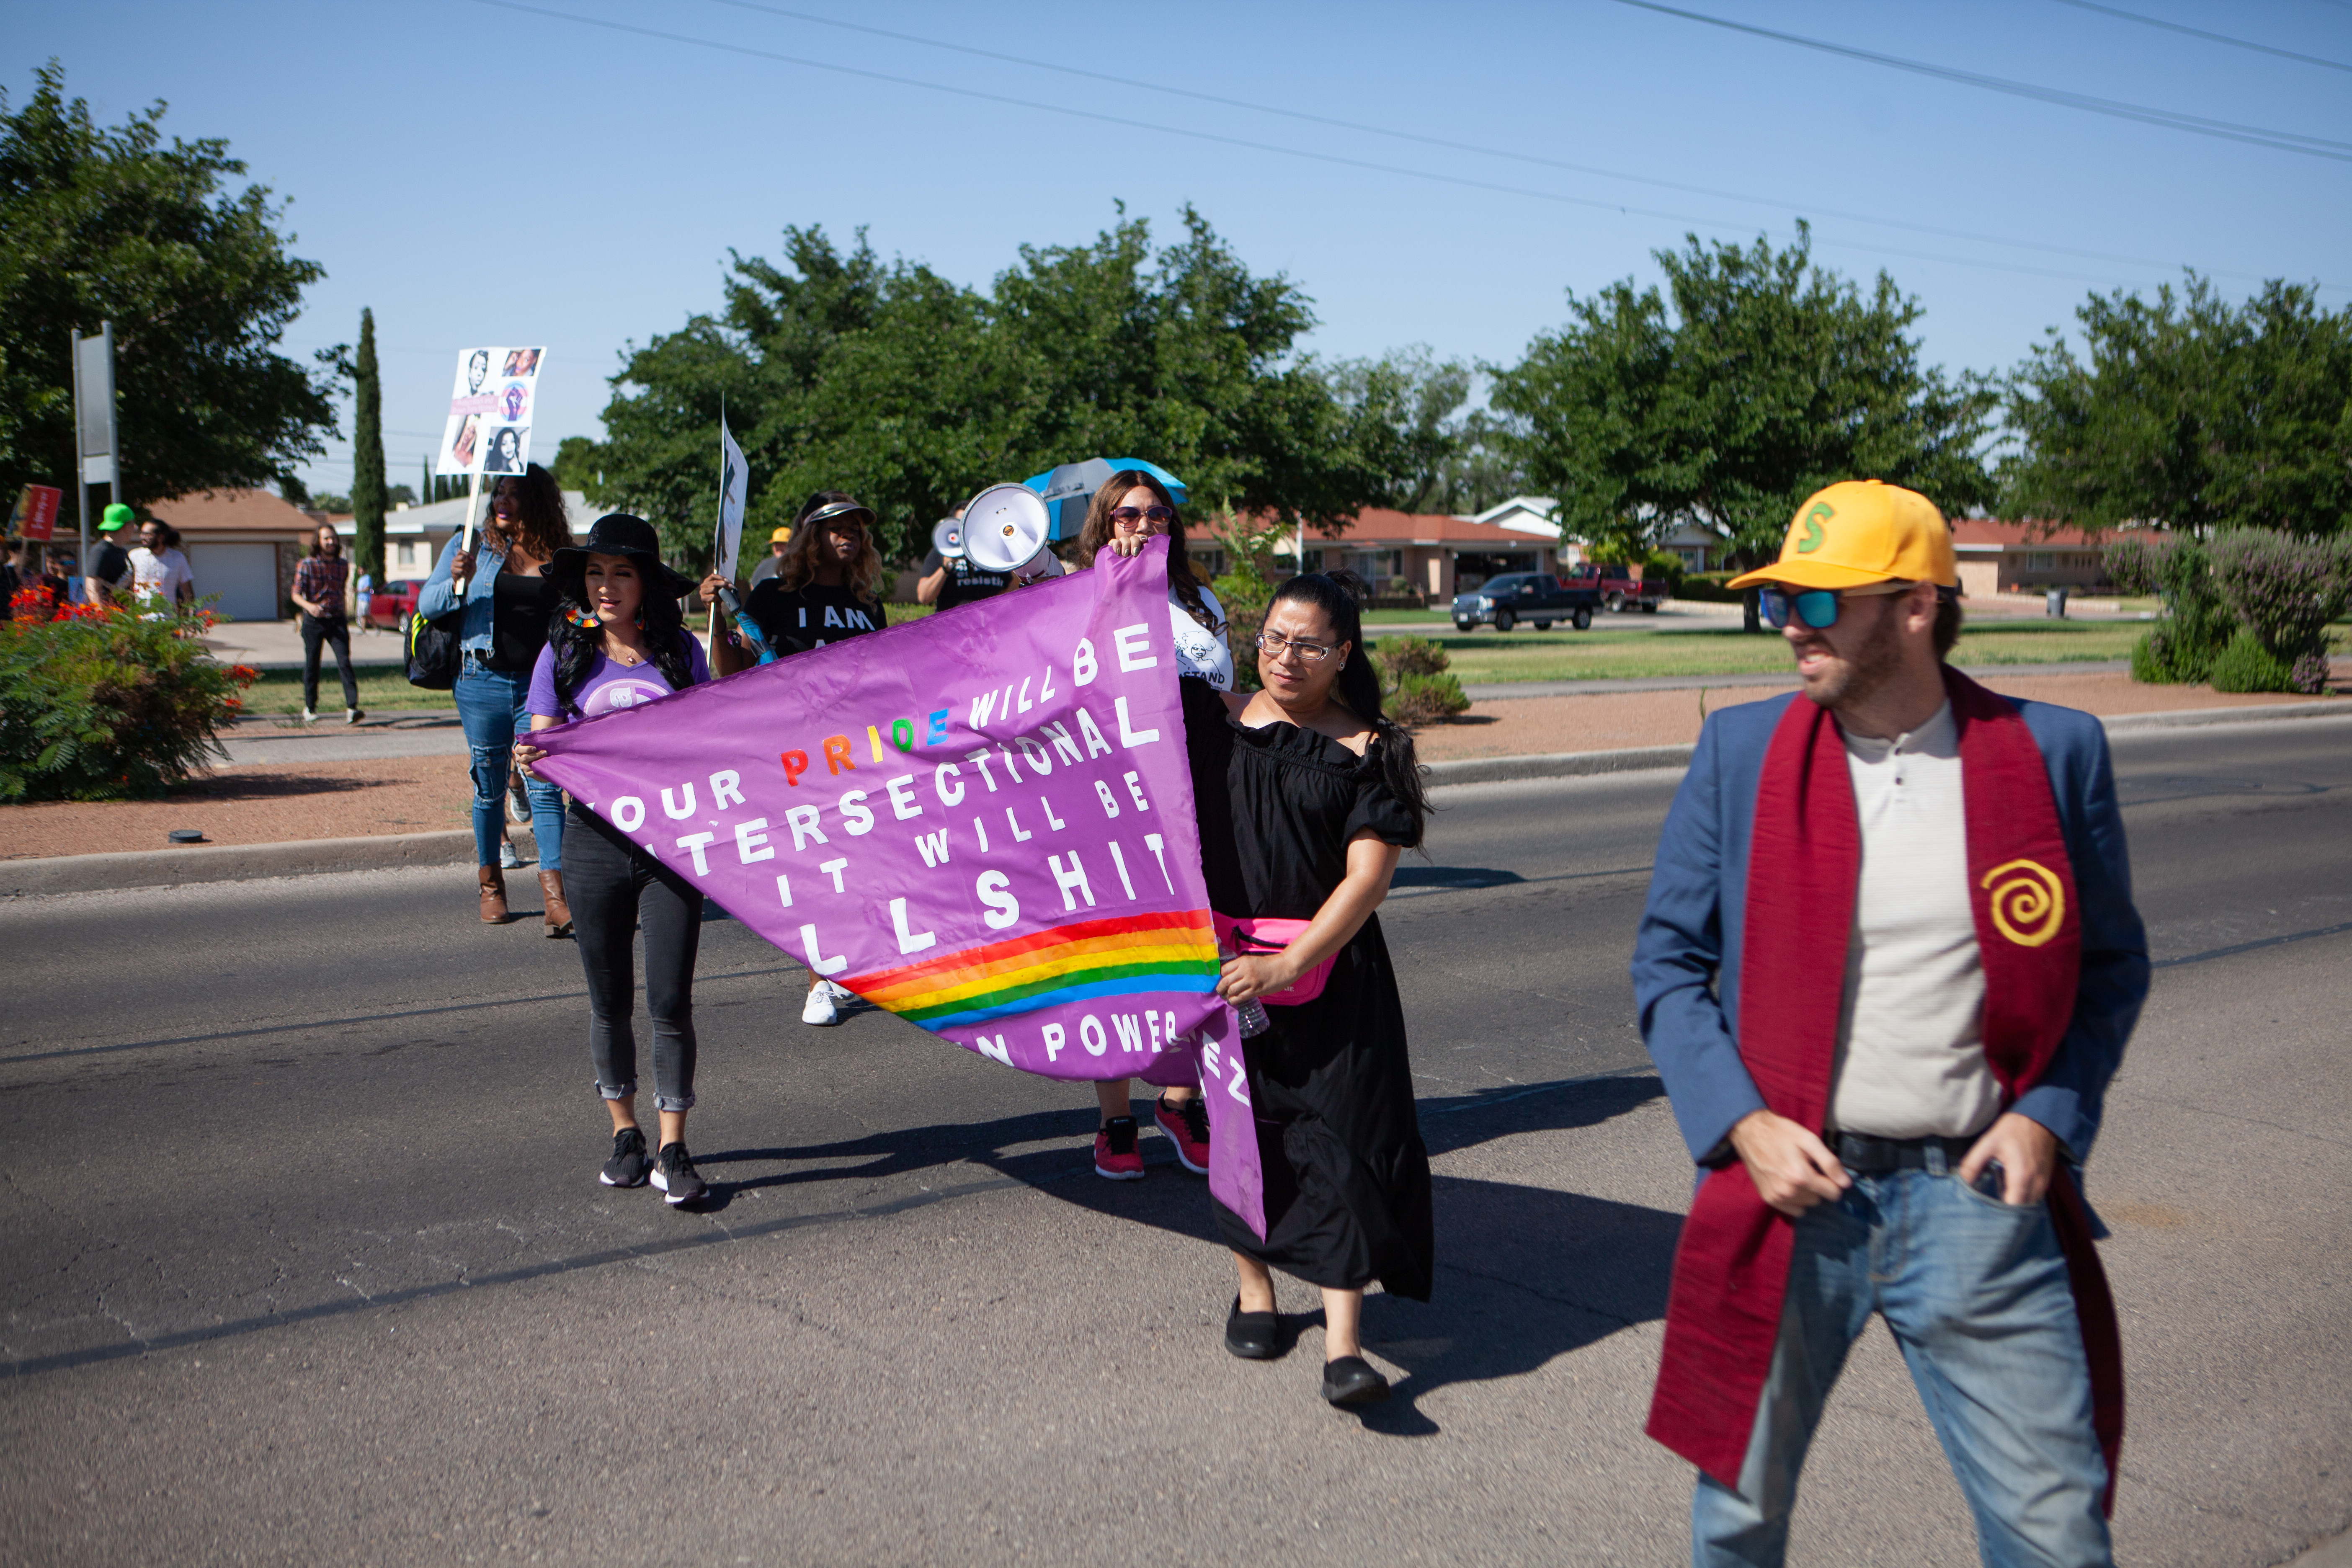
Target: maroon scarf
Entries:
(1731, 1268)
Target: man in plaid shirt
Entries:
(319, 580)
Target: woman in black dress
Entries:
(1324, 793)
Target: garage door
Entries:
(243, 575)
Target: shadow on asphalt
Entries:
(1524, 1274)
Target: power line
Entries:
(2201, 32)
(1191, 134)
(2227, 130)
(1089, 73)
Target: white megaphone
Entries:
(948, 539)
(1005, 529)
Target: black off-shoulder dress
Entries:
(1347, 1174)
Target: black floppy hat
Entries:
(631, 538)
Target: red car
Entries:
(390, 605)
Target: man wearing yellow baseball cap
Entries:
(1855, 541)
(774, 559)
(1888, 966)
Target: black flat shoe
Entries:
(1253, 1336)
(1350, 1379)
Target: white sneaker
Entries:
(820, 1010)
(309, 717)
(508, 858)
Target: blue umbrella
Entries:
(1067, 489)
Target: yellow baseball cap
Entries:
(1860, 531)
(781, 536)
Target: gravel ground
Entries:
(263, 804)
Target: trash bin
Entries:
(2053, 604)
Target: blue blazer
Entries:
(1686, 958)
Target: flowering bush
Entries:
(2285, 591)
(108, 702)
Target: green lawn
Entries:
(384, 688)
(1605, 654)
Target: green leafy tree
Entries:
(110, 223)
(1440, 455)
(1753, 379)
(841, 372)
(2188, 411)
(367, 454)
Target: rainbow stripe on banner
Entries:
(1173, 952)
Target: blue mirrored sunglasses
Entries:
(1818, 607)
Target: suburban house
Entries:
(1427, 557)
(2030, 557)
(241, 545)
(1698, 546)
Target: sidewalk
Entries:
(277, 645)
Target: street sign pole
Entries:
(81, 491)
(96, 460)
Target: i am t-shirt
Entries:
(810, 615)
(610, 685)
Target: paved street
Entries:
(307, 1260)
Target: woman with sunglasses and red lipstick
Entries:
(1132, 508)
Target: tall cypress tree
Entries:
(367, 455)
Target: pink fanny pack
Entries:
(1255, 937)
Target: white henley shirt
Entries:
(1910, 1045)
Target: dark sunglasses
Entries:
(1140, 514)
(1816, 607)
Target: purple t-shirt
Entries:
(609, 685)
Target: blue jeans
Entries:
(490, 705)
(1975, 1294)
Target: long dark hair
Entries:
(1098, 531)
(545, 527)
(798, 564)
(1358, 684)
(576, 647)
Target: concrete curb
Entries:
(1576, 765)
(244, 862)
(1556, 764)
(315, 857)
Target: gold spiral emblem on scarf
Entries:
(2029, 903)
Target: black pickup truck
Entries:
(1536, 597)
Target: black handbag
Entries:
(435, 656)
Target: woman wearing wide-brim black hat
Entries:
(618, 640)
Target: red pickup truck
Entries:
(1619, 590)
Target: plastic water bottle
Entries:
(1251, 1015)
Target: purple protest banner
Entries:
(981, 821)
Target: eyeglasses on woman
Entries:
(1276, 645)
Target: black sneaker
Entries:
(628, 1165)
(674, 1175)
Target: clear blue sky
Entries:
(476, 173)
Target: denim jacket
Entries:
(439, 596)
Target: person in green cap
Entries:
(109, 570)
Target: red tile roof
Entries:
(234, 511)
(1984, 530)
(1377, 528)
